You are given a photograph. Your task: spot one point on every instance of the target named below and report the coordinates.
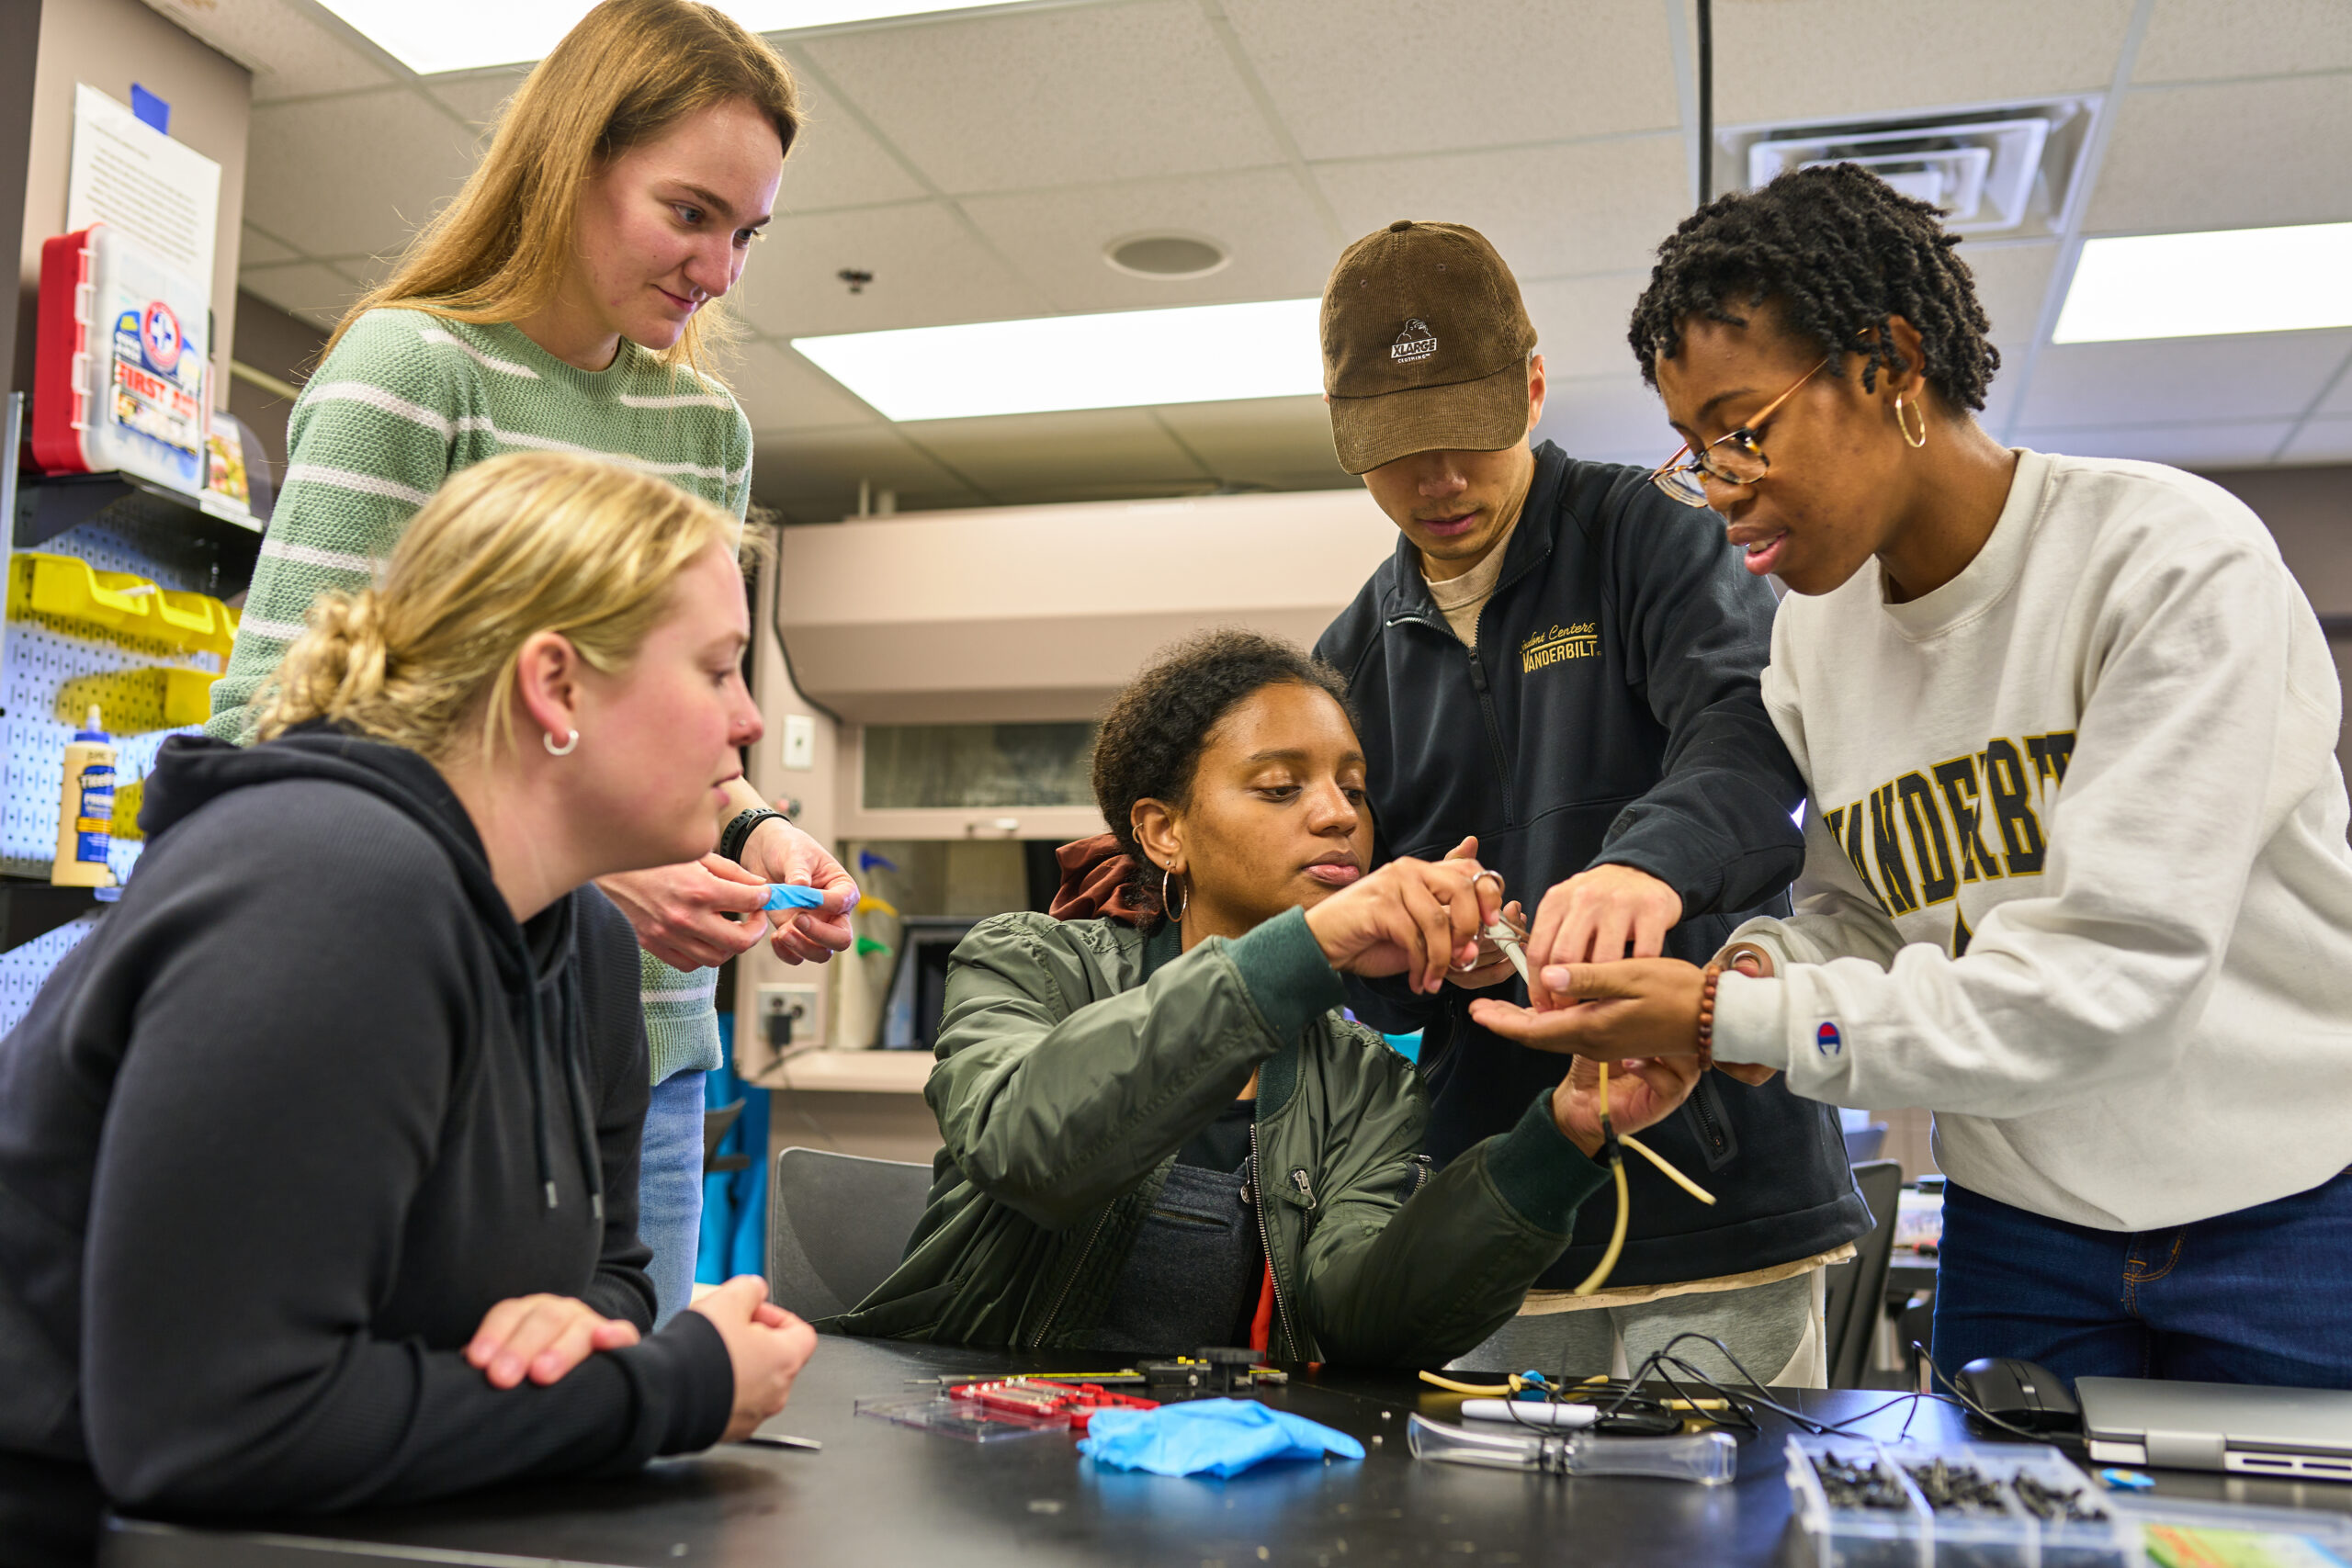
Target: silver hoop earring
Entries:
(565, 750)
(1174, 912)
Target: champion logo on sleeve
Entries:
(1827, 1040)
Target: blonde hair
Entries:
(505, 549)
(624, 77)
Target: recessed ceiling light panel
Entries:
(1166, 255)
(433, 35)
(1196, 354)
(2205, 285)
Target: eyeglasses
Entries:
(1735, 459)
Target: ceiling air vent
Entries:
(2004, 170)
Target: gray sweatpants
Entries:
(1776, 1330)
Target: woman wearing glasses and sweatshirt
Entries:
(2076, 874)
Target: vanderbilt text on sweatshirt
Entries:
(2076, 875)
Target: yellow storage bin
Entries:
(224, 636)
(188, 696)
(133, 702)
(185, 618)
(127, 797)
(71, 588)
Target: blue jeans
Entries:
(669, 1189)
(2263, 1295)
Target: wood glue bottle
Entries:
(86, 811)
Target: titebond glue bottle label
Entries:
(86, 811)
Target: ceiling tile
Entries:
(2339, 397)
(291, 46)
(782, 392)
(257, 249)
(1799, 60)
(813, 475)
(2011, 281)
(1281, 442)
(2202, 445)
(1581, 324)
(1091, 447)
(1401, 76)
(2241, 154)
(339, 176)
(1278, 246)
(1618, 414)
(318, 294)
(927, 270)
(2326, 440)
(836, 163)
(2099, 385)
(2201, 39)
(1135, 90)
(476, 97)
(1596, 207)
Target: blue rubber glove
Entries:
(1208, 1436)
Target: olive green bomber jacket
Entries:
(1075, 1059)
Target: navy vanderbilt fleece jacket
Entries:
(1610, 714)
(278, 1133)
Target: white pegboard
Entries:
(43, 653)
(23, 970)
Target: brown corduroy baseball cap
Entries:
(1425, 345)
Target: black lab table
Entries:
(880, 1495)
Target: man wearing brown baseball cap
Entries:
(1557, 671)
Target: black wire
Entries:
(1659, 1360)
(1706, 101)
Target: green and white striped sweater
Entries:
(407, 399)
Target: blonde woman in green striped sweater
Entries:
(564, 301)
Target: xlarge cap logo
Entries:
(1415, 343)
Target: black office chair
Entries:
(1856, 1289)
(1865, 1142)
(837, 1225)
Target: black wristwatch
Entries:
(740, 828)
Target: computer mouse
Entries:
(2020, 1393)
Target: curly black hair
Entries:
(1838, 251)
(1150, 743)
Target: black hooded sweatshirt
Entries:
(287, 1125)
(1609, 715)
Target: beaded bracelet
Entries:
(1713, 974)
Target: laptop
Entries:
(2245, 1429)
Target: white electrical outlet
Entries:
(790, 1015)
(800, 742)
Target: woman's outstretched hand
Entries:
(1412, 918)
(1637, 1007)
(1642, 1092)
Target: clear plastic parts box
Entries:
(1867, 1504)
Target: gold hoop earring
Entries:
(1173, 911)
(1902, 425)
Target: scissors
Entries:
(1508, 939)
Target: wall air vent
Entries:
(2000, 170)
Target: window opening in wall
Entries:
(952, 766)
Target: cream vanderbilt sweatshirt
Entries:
(2075, 873)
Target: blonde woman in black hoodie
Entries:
(318, 1159)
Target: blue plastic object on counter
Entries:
(789, 895)
(1208, 1436)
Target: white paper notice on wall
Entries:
(127, 173)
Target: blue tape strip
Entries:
(786, 895)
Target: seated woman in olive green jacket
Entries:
(1161, 1133)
